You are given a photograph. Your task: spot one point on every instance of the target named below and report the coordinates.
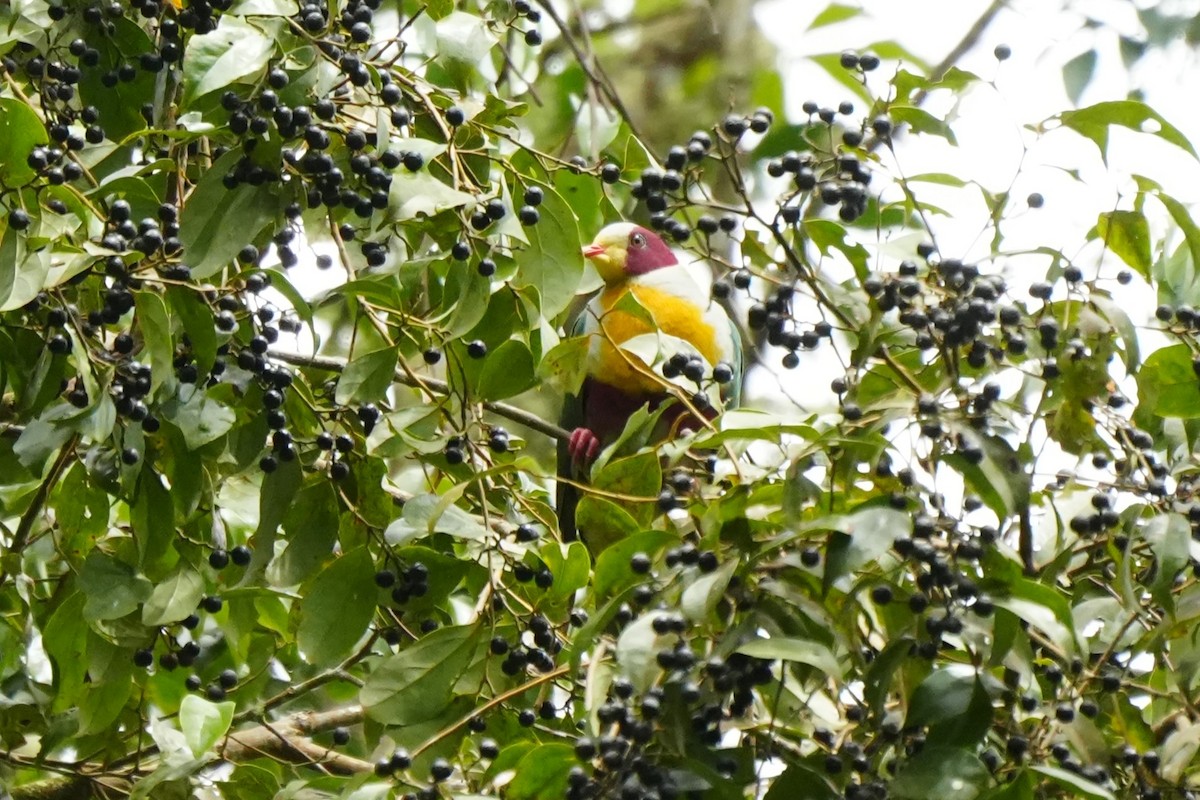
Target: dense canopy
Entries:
(286, 294)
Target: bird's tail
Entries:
(568, 500)
(567, 495)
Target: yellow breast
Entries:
(673, 316)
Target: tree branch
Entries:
(968, 40)
(435, 385)
(25, 525)
(590, 66)
(72, 787)
(288, 739)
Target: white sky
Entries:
(997, 150)
(994, 148)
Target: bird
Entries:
(633, 260)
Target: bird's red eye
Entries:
(637, 240)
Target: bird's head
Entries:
(623, 250)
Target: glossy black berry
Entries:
(18, 219)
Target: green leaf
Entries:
(120, 106)
(508, 371)
(439, 8)
(112, 588)
(337, 608)
(153, 517)
(945, 694)
(311, 524)
(595, 127)
(1094, 121)
(800, 651)
(947, 773)
(218, 222)
(612, 572)
(110, 669)
(465, 37)
(203, 723)
(1077, 74)
(1116, 315)
(42, 437)
(155, 326)
(1077, 785)
(832, 64)
(430, 513)
(954, 704)
(799, 782)
(367, 377)
(1127, 234)
(571, 565)
(999, 479)
(22, 273)
(834, 13)
(637, 650)
(415, 685)
(639, 475)
(200, 419)
(65, 638)
(1019, 788)
(701, 596)
(953, 79)
(565, 366)
(541, 774)
(1170, 536)
(274, 499)
(628, 303)
(921, 121)
(1168, 385)
(197, 320)
(1042, 607)
(235, 50)
(446, 572)
(828, 235)
(883, 670)
(174, 598)
(602, 523)
(1191, 232)
(865, 536)
(419, 193)
(749, 425)
(20, 132)
(552, 263)
(940, 178)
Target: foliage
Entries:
(276, 279)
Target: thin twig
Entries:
(590, 67)
(968, 40)
(297, 689)
(288, 739)
(490, 704)
(25, 525)
(435, 385)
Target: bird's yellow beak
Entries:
(609, 260)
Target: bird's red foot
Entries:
(583, 445)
